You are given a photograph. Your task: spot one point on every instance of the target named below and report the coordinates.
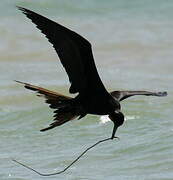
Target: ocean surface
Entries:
(133, 49)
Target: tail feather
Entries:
(64, 110)
(61, 118)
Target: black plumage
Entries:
(75, 54)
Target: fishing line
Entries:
(59, 172)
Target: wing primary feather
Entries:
(74, 51)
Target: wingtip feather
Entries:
(21, 8)
(20, 82)
(24, 10)
(45, 129)
(162, 94)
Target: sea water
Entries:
(132, 43)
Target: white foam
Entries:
(105, 119)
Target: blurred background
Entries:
(133, 48)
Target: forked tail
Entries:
(64, 110)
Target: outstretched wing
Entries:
(74, 52)
(54, 99)
(121, 95)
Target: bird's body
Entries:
(75, 53)
(98, 104)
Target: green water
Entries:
(133, 48)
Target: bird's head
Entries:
(117, 117)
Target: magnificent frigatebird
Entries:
(75, 54)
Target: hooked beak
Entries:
(118, 118)
(114, 131)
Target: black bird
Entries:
(75, 54)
